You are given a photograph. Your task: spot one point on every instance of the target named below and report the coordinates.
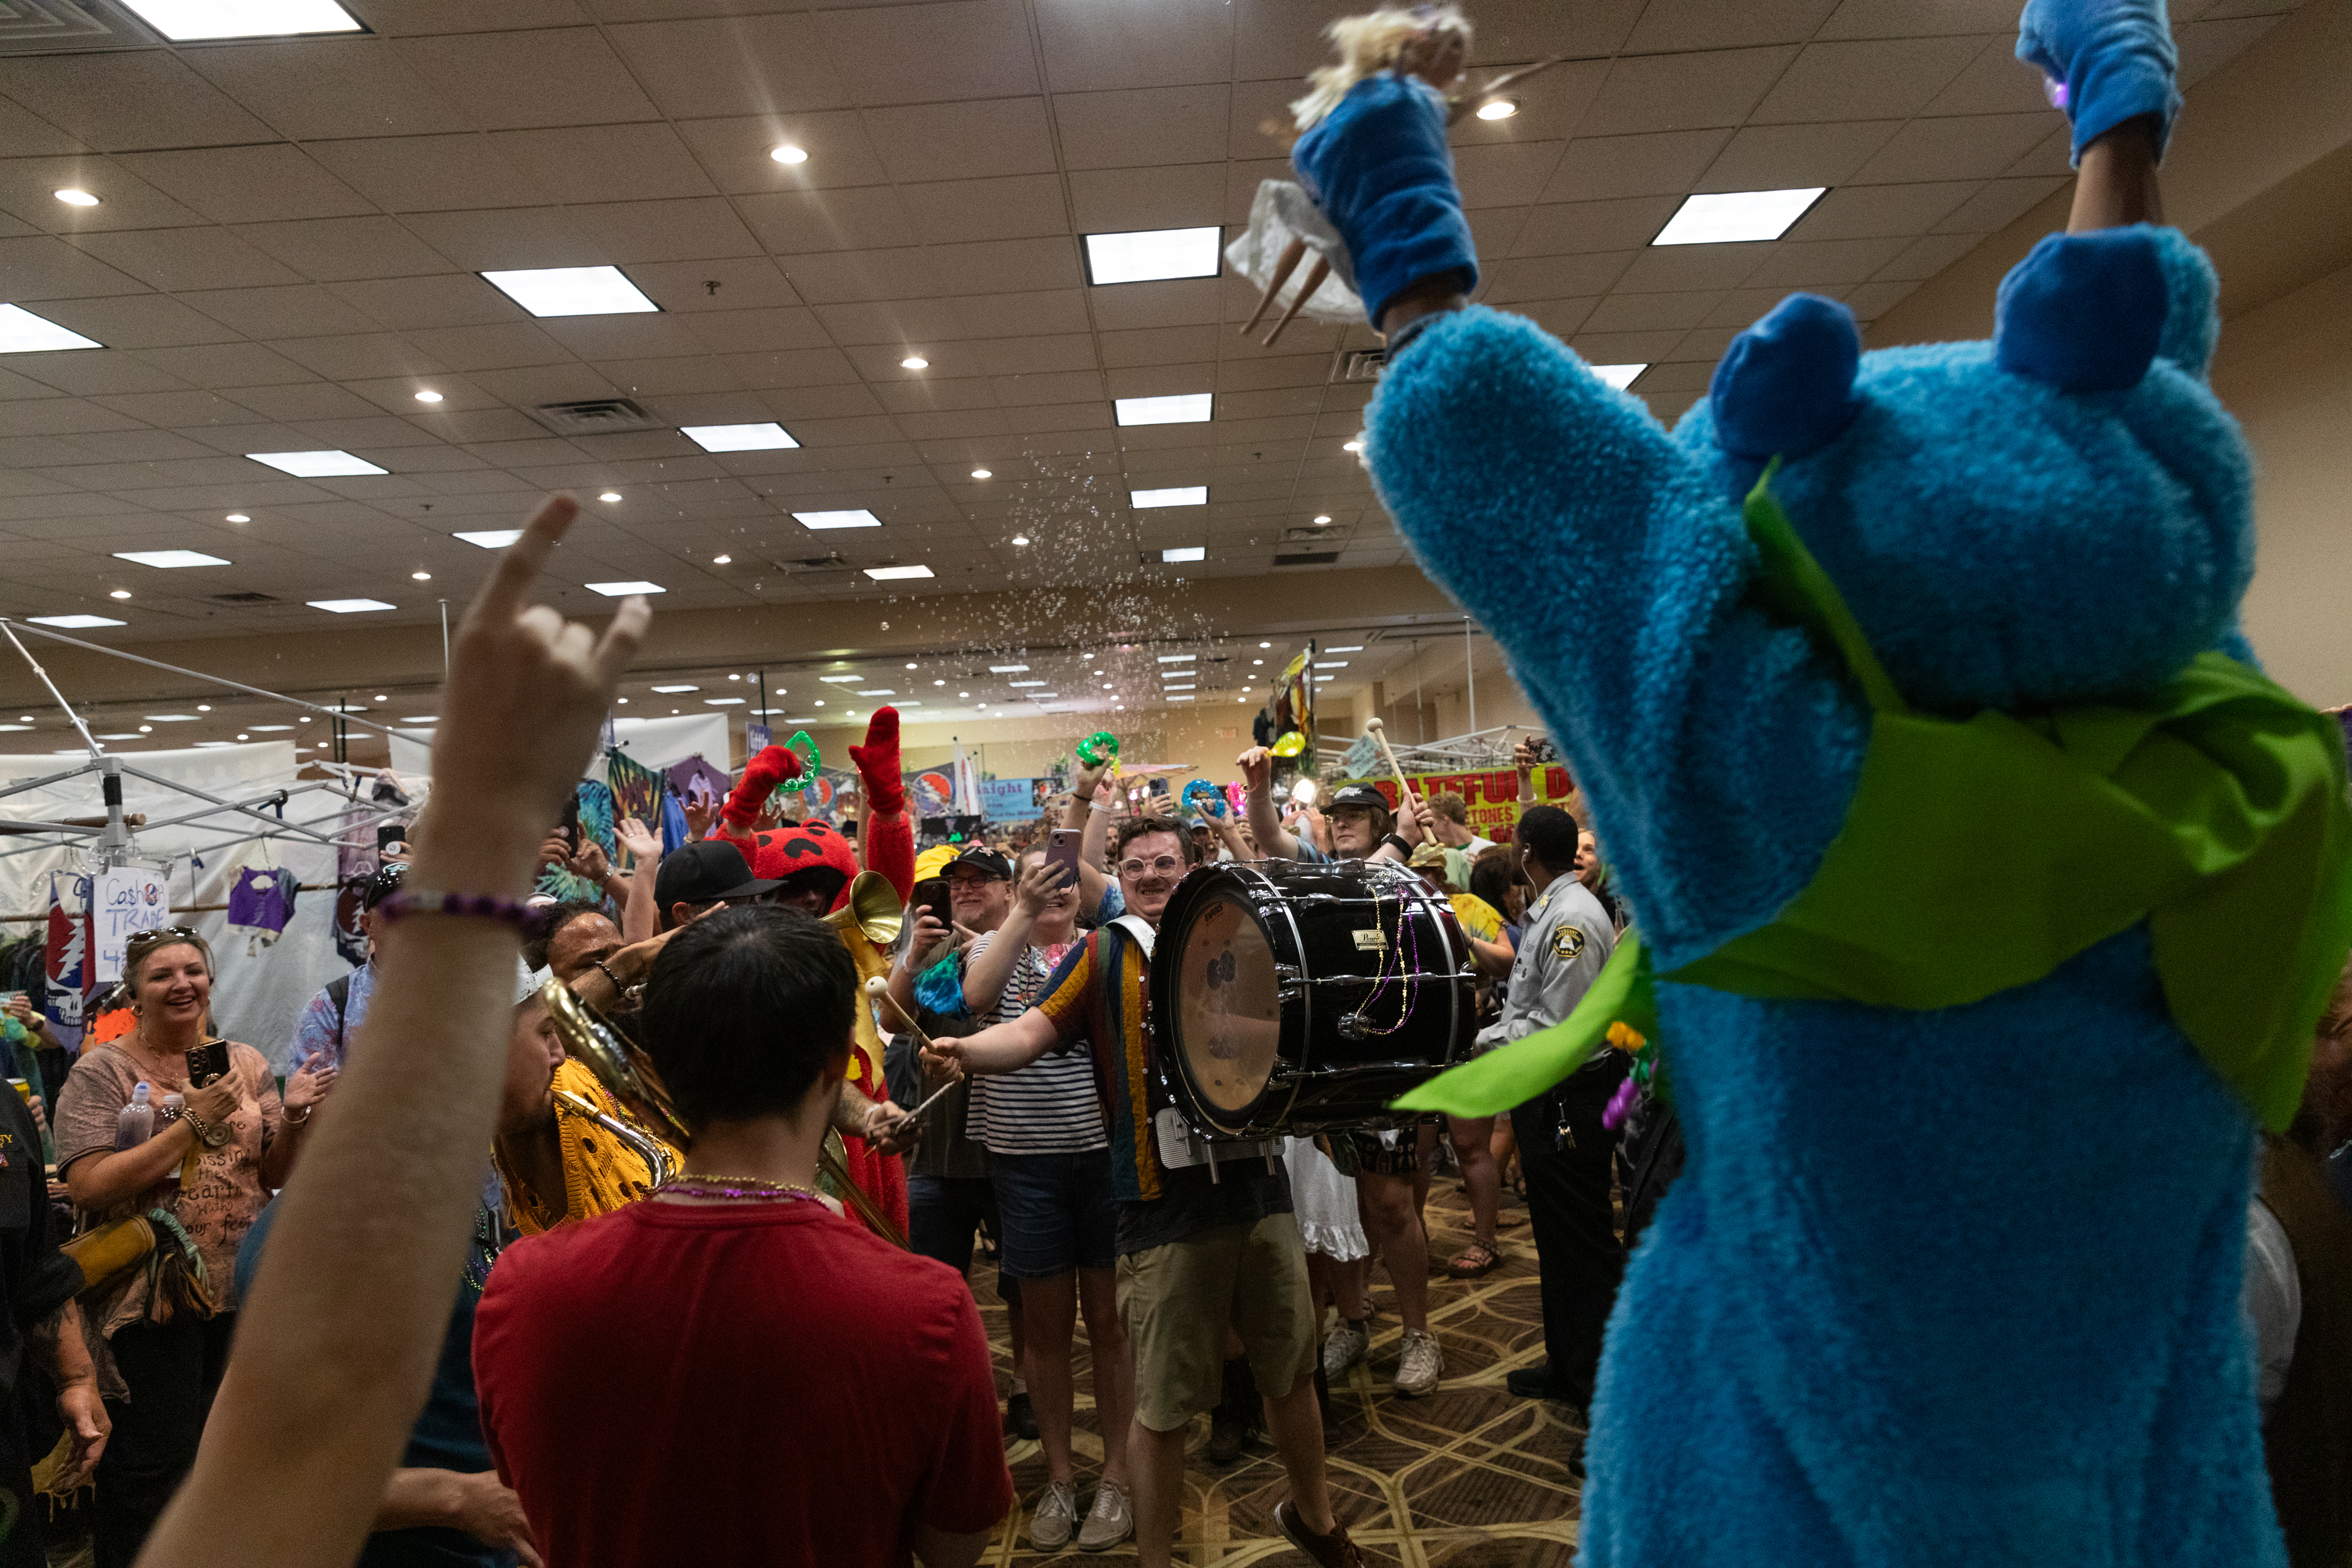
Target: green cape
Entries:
(2213, 808)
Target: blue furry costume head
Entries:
(1956, 1286)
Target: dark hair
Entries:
(1131, 828)
(1491, 876)
(1549, 834)
(553, 919)
(745, 1008)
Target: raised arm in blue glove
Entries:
(2115, 59)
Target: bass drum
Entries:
(1289, 997)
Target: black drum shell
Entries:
(1322, 1076)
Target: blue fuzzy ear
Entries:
(2084, 311)
(1786, 385)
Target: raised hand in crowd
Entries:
(307, 1087)
(700, 814)
(1273, 840)
(341, 1332)
(641, 904)
(642, 842)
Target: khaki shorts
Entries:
(1176, 1301)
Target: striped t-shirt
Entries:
(1049, 1107)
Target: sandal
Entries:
(1473, 1260)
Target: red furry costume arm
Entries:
(739, 817)
(886, 837)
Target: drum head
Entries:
(1229, 1019)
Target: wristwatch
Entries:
(1396, 842)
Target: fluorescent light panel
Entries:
(1189, 552)
(1178, 495)
(861, 518)
(896, 573)
(182, 21)
(168, 559)
(23, 332)
(316, 465)
(1008, 669)
(1024, 683)
(1351, 647)
(674, 690)
(1620, 376)
(722, 702)
(75, 623)
(762, 438)
(348, 606)
(879, 691)
(620, 590)
(492, 538)
(1140, 256)
(1733, 215)
(571, 291)
(839, 680)
(1183, 408)
(1177, 658)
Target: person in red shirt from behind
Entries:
(729, 1372)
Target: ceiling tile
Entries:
(1553, 277)
(1560, 318)
(492, 240)
(1599, 167)
(1174, 195)
(838, 277)
(329, 250)
(1795, 264)
(130, 99)
(427, 174)
(1872, 300)
(505, 347)
(604, 163)
(1678, 24)
(1006, 266)
(1879, 80)
(566, 75)
(1973, 147)
(742, 283)
(298, 402)
(315, 89)
(359, 357)
(248, 184)
(891, 321)
(962, 140)
(28, 135)
(297, 309)
(1665, 268)
(795, 223)
(1995, 82)
(1505, 175)
(1622, 312)
(1681, 92)
(110, 372)
(1550, 106)
(405, 304)
(1999, 204)
(1016, 207)
(137, 322)
(701, 228)
(1868, 212)
(734, 153)
(126, 200)
(726, 332)
(920, 54)
(1926, 257)
(176, 260)
(1142, 126)
(1789, 157)
(39, 268)
(623, 337)
(1566, 228)
(736, 64)
(397, 17)
(1911, 18)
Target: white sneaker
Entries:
(1057, 1507)
(1110, 1522)
(1420, 1365)
(1345, 1346)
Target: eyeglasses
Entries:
(1166, 865)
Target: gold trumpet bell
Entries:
(869, 922)
(619, 1065)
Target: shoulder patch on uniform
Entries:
(1568, 941)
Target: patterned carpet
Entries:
(1467, 1477)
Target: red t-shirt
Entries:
(739, 1383)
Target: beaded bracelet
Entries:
(479, 906)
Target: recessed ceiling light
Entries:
(25, 719)
(348, 606)
(1734, 215)
(182, 20)
(245, 737)
(169, 558)
(859, 518)
(674, 690)
(896, 573)
(316, 465)
(1109, 686)
(732, 676)
(723, 561)
(1180, 495)
(1183, 408)
(491, 538)
(421, 576)
(120, 593)
(428, 397)
(1140, 256)
(609, 496)
(207, 707)
(1265, 645)
(1008, 669)
(938, 683)
(982, 474)
(1498, 108)
(1349, 648)
(74, 623)
(1190, 553)
(722, 702)
(914, 361)
(785, 152)
(1257, 661)
(910, 664)
(1620, 376)
(571, 291)
(23, 332)
(820, 702)
(74, 197)
(1355, 446)
(146, 729)
(964, 694)
(1020, 539)
(236, 517)
(619, 590)
(762, 437)
(1321, 520)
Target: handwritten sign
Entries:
(126, 899)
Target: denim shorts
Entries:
(1056, 1212)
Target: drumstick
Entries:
(878, 986)
(1379, 732)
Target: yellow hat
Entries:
(933, 861)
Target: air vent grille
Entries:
(245, 598)
(1308, 558)
(1361, 365)
(62, 27)
(596, 417)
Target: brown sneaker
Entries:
(1333, 1551)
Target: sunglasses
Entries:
(159, 936)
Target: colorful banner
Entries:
(931, 792)
(67, 967)
(1008, 800)
(1493, 798)
(637, 790)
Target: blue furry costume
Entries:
(1936, 1286)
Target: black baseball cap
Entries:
(384, 883)
(1357, 794)
(705, 872)
(982, 859)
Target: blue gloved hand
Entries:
(2113, 57)
(1378, 167)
